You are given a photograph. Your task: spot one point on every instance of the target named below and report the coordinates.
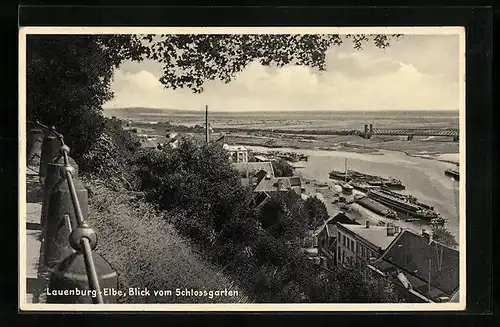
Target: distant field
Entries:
(305, 120)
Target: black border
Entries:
(480, 151)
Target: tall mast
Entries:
(206, 124)
(345, 170)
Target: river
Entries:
(423, 178)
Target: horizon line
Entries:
(275, 110)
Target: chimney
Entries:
(390, 230)
(367, 224)
(396, 229)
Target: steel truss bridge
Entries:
(411, 132)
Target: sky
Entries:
(417, 72)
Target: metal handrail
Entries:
(85, 247)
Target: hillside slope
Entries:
(147, 252)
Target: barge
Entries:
(377, 207)
(406, 205)
(368, 180)
(452, 173)
(365, 181)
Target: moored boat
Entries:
(452, 173)
(349, 175)
(377, 207)
(346, 188)
(406, 205)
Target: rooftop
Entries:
(254, 167)
(234, 147)
(376, 235)
(278, 184)
(415, 256)
(261, 158)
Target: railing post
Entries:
(53, 178)
(79, 275)
(83, 276)
(50, 150)
(34, 145)
(59, 203)
(71, 275)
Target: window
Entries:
(352, 245)
(338, 252)
(343, 239)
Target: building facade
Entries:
(328, 237)
(237, 153)
(362, 244)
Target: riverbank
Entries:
(423, 178)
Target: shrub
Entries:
(317, 212)
(282, 168)
(110, 156)
(206, 202)
(146, 251)
(442, 235)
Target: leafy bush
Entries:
(317, 212)
(206, 202)
(442, 235)
(282, 168)
(146, 251)
(110, 156)
(68, 81)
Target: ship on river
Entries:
(363, 182)
(452, 173)
(406, 205)
(376, 207)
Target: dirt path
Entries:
(34, 282)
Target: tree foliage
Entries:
(317, 212)
(261, 248)
(192, 59)
(68, 81)
(442, 235)
(68, 76)
(282, 168)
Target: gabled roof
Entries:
(413, 255)
(330, 230)
(254, 167)
(329, 225)
(274, 184)
(343, 219)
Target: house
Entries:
(327, 236)
(361, 244)
(422, 269)
(264, 184)
(237, 153)
(172, 140)
(279, 184)
(250, 169)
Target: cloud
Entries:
(415, 73)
